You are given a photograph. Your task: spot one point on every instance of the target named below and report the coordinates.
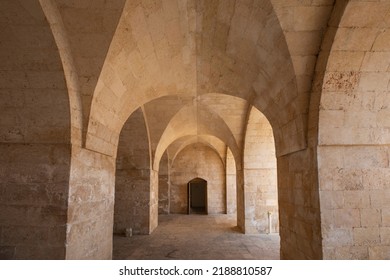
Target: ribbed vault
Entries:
(193, 48)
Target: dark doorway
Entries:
(197, 196)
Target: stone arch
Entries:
(90, 172)
(260, 176)
(353, 134)
(169, 157)
(188, 122)
(135, 73)
(83, 47)
(35, 136)
(133, 185)
(210, 141)
(231, 183)
(54, 19)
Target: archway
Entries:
(197, 196)
(239, 64)
(260, 176)
(35, 138)
(353, 133)
(133, 185)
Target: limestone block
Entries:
(341, 61)
(379, 252)
(356, 199)
(350, 253)
(386, 217)
(374, 81)
(348, 179)
(341, 81)
(346, 218)
(383, 119)
(376, 178)
(366, 157)
(382, 42)
(385, 235)
(379, 198)
(351, 17)
(366, 236)
(334, 118)
(332, 199)
(370, 217)
(359, 119)
(330, 158)
(376, 61)
(354, 39)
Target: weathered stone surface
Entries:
(260, 183)
(133, 184)
(198, 161)
(73, 72)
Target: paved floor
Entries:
(197, 237)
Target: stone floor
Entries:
(197, 237)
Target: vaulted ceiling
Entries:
(196, 67)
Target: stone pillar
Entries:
(240, 200)
(231, 189)
(163, 186)
(91, 206)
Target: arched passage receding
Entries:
(197, 196)
(154, 64)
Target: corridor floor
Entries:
(197, 237)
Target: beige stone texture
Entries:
(191, 164)
(163, 186)
(260, 183)
(133, 183)
(100, 94)
(354, 153)
(89, 225)
(231, 184)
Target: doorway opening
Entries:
(197, 196)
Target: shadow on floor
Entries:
(197, 237)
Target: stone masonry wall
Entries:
(299, 209)
(91, 206)
(35, 147)
(260, 182)
(34, 180)
(163, 186)
(231, 189)
(198, 161)
(354, 135)
(133, 184)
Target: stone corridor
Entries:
(110, 108)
